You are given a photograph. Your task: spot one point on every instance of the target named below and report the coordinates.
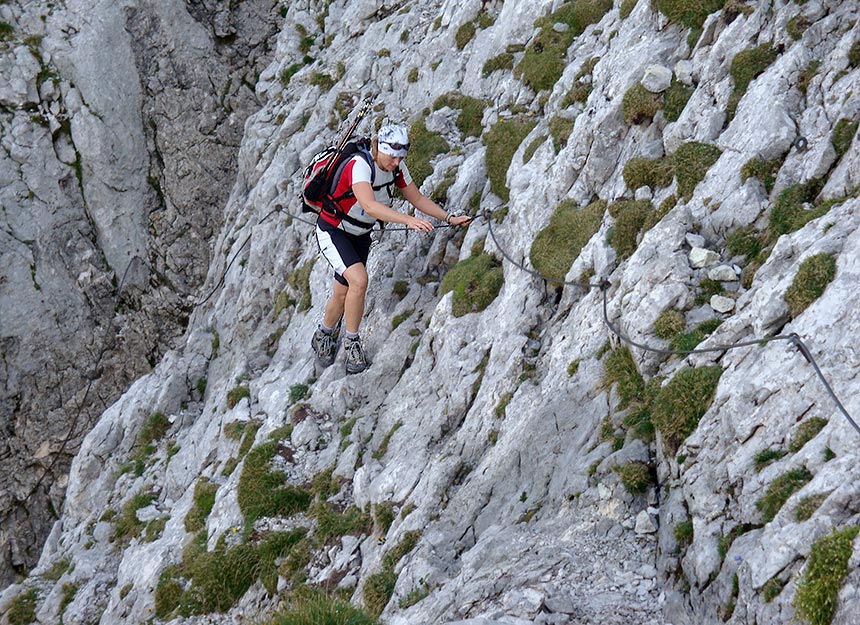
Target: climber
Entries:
(345, 244)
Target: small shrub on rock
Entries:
(689, 14)
(22, 610)
(675, 100)
(619, 368)
(262, 492)
(746, 66)
(791, 212)
(425, 146)
(670, 323)
(807, 506)
(765, 457)
(471, 112)
(204, 500)
(312, 607)
(546, 55)
(636, 476)
(765, 171)
(236, 394)
(380, 586)
(843, 135)
(505, 60)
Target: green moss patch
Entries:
(812, 278)
(556, 247)
(691, 161)
(475, 283)
(502, 141)
(546, 55)
(780, 490)
(818, 590)
(680, 404)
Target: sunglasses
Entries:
(397, 146)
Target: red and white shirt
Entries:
(358, 170)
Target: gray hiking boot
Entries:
(356, 361)
(324, 346)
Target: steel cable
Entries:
(793, 338)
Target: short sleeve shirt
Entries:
(357, 169)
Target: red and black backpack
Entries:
(321, 176)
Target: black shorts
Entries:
(341, 249)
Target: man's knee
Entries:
(357, 278)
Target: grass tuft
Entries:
(502, 141)
(805, 432)
(780, 490)
(475, 283)
(546, 55)
(818, 590)
(556, 247)
(691, 162)
(812, 278)
(680, 404)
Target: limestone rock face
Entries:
(522, 463)
(120, 126)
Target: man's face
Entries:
(386, 162)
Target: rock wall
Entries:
(120, 124)
(504, 459)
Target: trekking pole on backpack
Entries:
(362, 113)
(317, 176)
